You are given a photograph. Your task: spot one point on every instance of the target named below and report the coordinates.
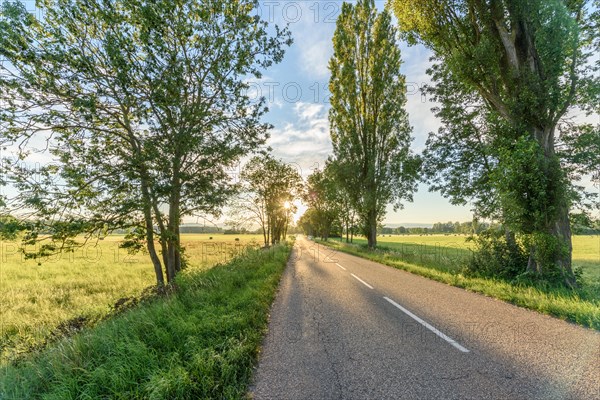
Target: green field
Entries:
(36, 299)
(586, 254)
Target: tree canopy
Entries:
(369, 125)
(269, 188)
(507, 75)
(141, 107)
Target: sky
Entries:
(297, 96)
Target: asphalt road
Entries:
(346, 328)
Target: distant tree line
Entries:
(463, 228)
(472, 228)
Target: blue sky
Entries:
(296, 90)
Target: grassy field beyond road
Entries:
(447, 251)
(442, 258)
(199, 342)
(79, 288)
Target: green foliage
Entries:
(497, 254)
(10, 227)
(508, 73)
(168, 348)
(531, 186)
(481, 44)
(325, 199)
(461, 156)
(500, 254)
(142, 107)
(269, 188)
(580, 146)
(369, 125)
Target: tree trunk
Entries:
(160, 279)
(559, 225)
(372, 230)
(347, 225)
(269, 233)
(165, 252)
(178, 248)
(264, 230)
(532, 264)
(173, 257)
(562, 230)
(170, 261)
(285, 227)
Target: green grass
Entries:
(446, 253)
(199, 342)
(586, 254)
(437, 257)
(37, 299)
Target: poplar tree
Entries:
(370, 132)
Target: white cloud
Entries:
(305, 141)
(314, 55)
(312, 38)
(308, 111)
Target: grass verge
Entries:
(199, 342)
(581, 307)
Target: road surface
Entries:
(347, 328)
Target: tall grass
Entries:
(199, 342)
(72, 290)
(581, 306)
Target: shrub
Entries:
(498, 254)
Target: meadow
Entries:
(72, 290)
(200, 341)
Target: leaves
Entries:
(508, 74)
(143, 106)
(369, 125)
(270, 187)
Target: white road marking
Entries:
(340, 266)
(361, 281)
(428, 326)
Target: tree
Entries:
(347, 213)
(369, 126)
(269, 188)
(142, 107)
(323, 196)
(460, 158)
(525, 62)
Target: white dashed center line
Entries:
(340, 266)
(361, 281)
(427, 325)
